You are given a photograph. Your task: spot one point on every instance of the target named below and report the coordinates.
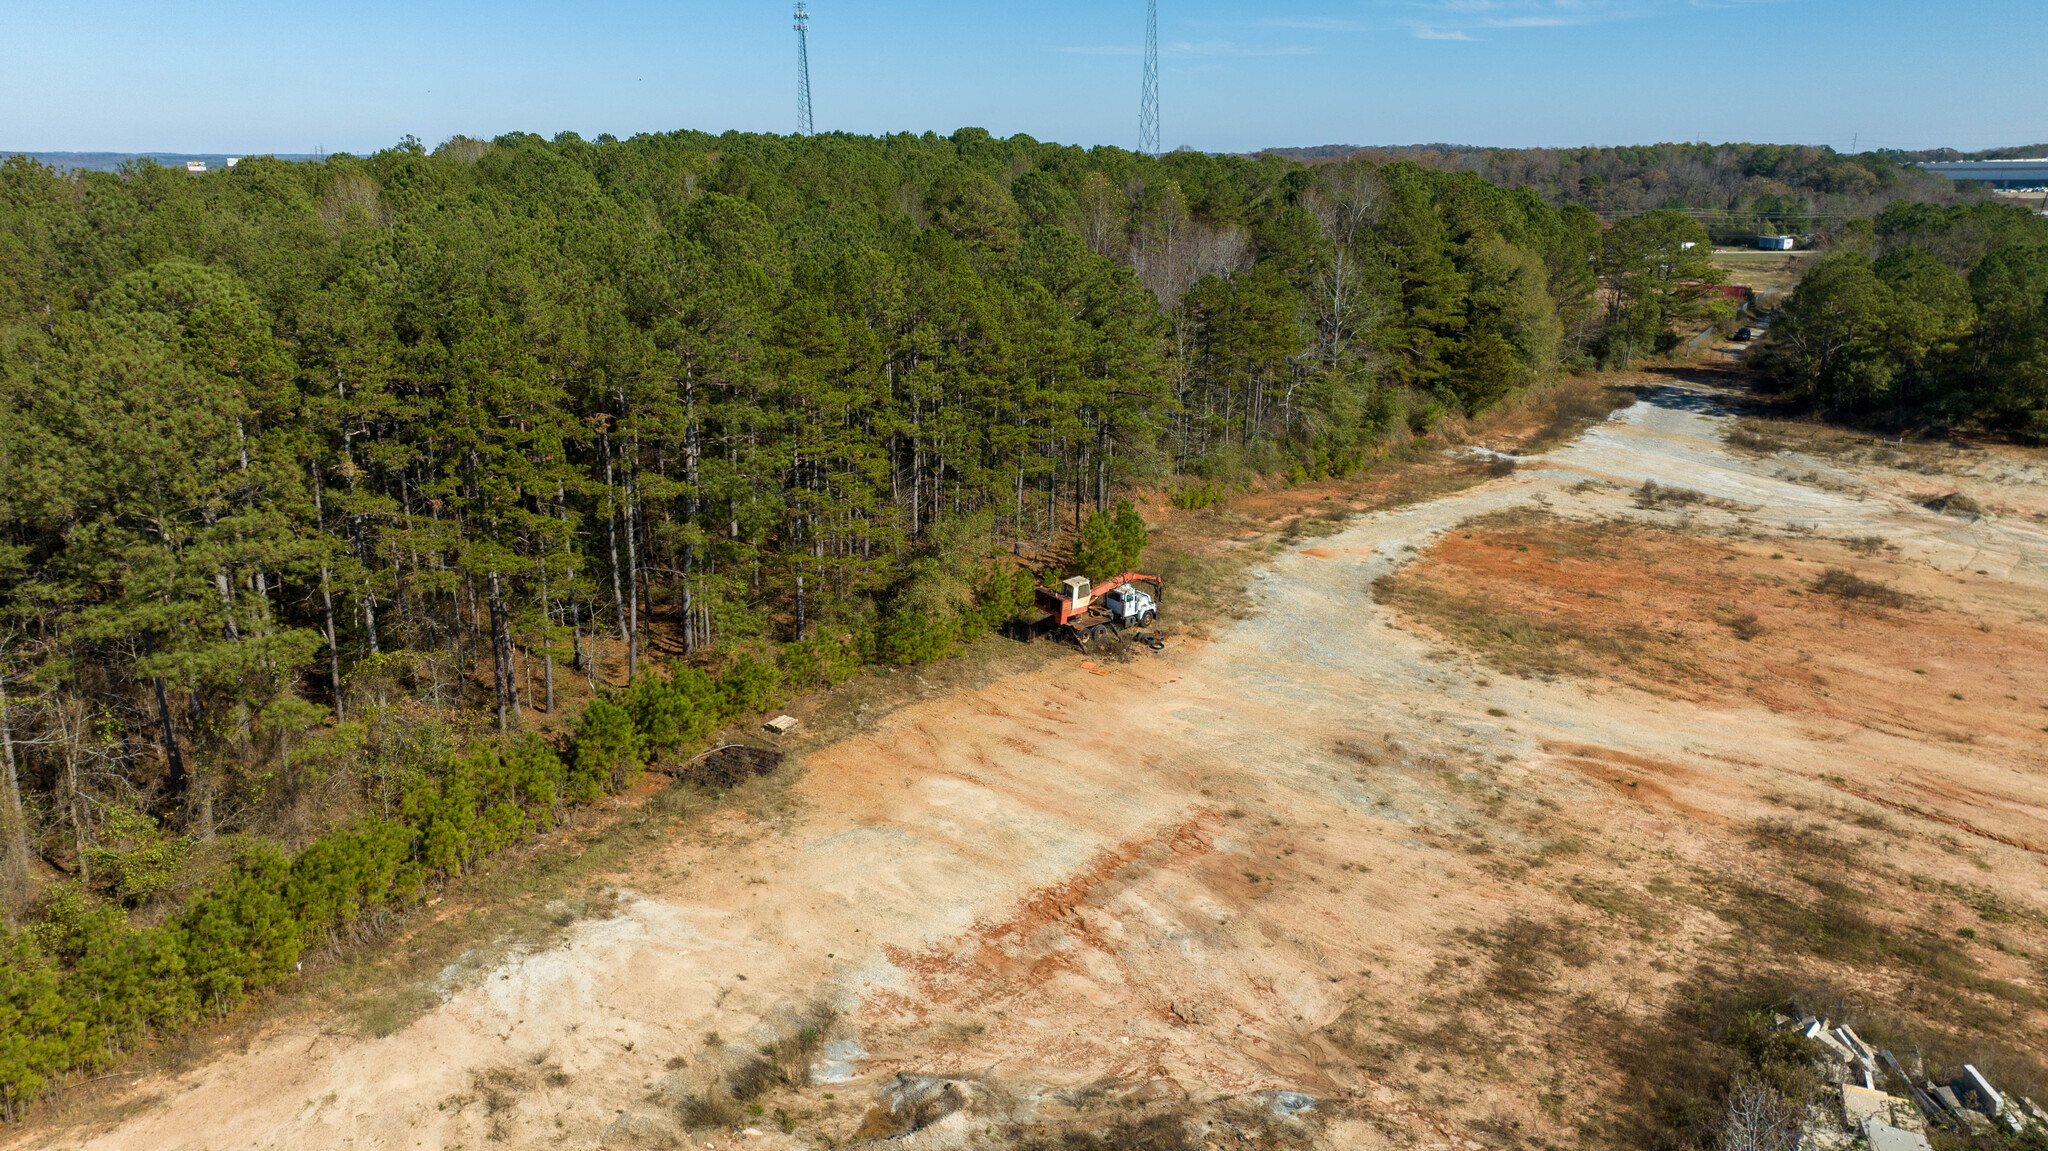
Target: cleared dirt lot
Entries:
(1769, 274)
(1436, 836)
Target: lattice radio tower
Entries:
(803, 70)
(1148, 103)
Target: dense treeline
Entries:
(1930, 316)
(2017, 152)
(326, 481)
(1739, 190)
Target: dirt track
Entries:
(1290, 858)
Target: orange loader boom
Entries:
(1075, 596)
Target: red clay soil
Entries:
(1667, 610)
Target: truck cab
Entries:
(1128, 606)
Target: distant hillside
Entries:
(1341, 151)
(112, 161)
(2026, 152)
(1738, 190)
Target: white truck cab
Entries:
(1127, 606)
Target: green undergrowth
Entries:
(82, 984)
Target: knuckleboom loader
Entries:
(1084, 611)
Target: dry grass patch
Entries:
(1509, 641)
(1767, 437)
(1578, 404)
(1526, 955)
(1801, 841)
(1847, 585)
(1954, 504)
(1653, 495)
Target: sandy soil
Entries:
(1334, 850)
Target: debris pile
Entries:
(913, 1103)
(1967, 1104)
(730, 765)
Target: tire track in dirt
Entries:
(1942, 818)
(1010, 953)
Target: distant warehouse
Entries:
(1997, 173)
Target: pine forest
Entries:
(325, 484)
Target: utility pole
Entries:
(1148, 103)
(803, 70)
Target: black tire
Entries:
(1149, 617)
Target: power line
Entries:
(803, 70)
(1148, 102)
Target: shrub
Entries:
(445, 811)
(346, 874)
(608, 753)
(668, 713)
(1110, 545)
(37, 1034)
(818, 662)
(1195, 497)
(915, 635)
(1001, 592)
(533, 773)
(241, 936)
(749, 685)
(1848, 585)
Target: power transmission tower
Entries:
(803, 70)
(1148, 104)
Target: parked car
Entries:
(1744, 334)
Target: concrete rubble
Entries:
(1287, 1104)
(1967, 1103)
(1884, 1137)
(1862, 1104)
(836, 1062)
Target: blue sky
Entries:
(290, 76)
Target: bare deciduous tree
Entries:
(1102, 215)
(1347, 199)
(17, 879)
(1172, 262)
(1758, 1119)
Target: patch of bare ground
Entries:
(1524, 852)
(1765, 273)
(1820, 916)
(1203, 553)
(1828, 632)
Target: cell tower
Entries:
(803, 69)
(1148, 103)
